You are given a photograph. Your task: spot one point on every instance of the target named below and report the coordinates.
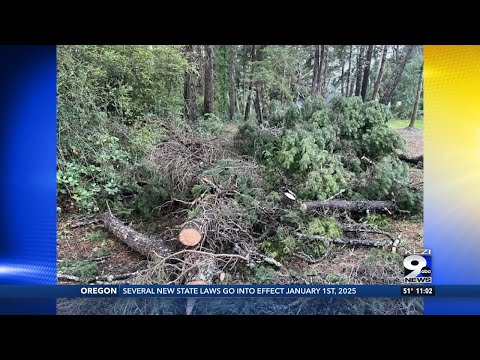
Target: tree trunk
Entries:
(244, 84)
(250, 84)
(147, 246)
(342, 241)
(378, 81)
(358, 83)
(416, 160)
(366, 72)
(258, 102)
(417, 99)
(259, 93)
(316, 65)
(349, 91)
(231, 93)
(388, 96)
(355, 206)
(202, 269)
(192, 232)
(343, 72)
(189, 88)
(208, 96)
(325, 68)
(320, 68)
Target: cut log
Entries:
(147, 246)
(353, 206)
(342, 240)
(416, 160)
(201, 269)
(192, 232)
(289, 198)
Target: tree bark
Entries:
(320, 68)
(343, 72)
(417, 99)
(147, 246)
(231, 93)
(378, 81)
(388, 96)
(366, 72)
(358, 83)
(349, 71)
(208, 96)
(259, 93)
(203, 269)
(316, 65)
(250, 85)
(189, 89)
(354, 206)
(325, 68)
(258, 102)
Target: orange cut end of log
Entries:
(197, 282)
(189, 237)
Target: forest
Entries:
(239, 164)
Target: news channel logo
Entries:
(417, 267)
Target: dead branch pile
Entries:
(228, 214)
(183, 157)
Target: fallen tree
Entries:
(416, 160)
(352, 206)
(147, 246)
(342, 240)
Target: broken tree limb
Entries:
(411, 160)
(341, 241)
(67, 277)
(147, 246)
(371, 231)
(192, 232)
(353, 206)
(253, 257)
(97, 279)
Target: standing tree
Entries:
(231, 72)
(417, 98)
(366, 72)
(376, 87)
(358, 83)
(325, 67)
(397, 75)
(342, 61)
(320, 68)
(316, 69)
(347, 90)
(250, 83)
(189, 88)
(208, 95)
(259, 85)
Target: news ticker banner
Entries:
(238, 291)
(28, 164)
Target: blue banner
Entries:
(237, 291)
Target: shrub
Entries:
(211, 125)
(106, 95)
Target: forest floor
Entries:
(87, 252)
